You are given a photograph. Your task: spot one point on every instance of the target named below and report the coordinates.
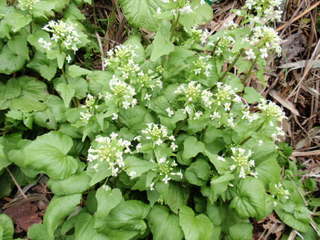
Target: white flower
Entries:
(186, 9)
(173, 146)
(166, 179)
(64, 33)
(215, 115)
(250, 54)
(271, 111)
(69, 59)
(170, 112)
(241, 162)
(115, 116)
(45, 44)
(264, 52)
(109, 150)
(197, 115)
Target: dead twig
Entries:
(299, 16)
(17, 184)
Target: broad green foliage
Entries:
(6, 227)
(168, 142)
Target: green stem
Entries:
(248, 74)
(249, 137)
(231, 65)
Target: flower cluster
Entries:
(269, 10)
(242, 163)
(109, 150)
(27, 5)
(192, 91)
(156, 133)
(88, 109)
(225, 95)
(222, 44)
(266, 38)
(279, 193)
(63, 33)
(121, 94)
(199, 36)
(166, 169)
(121, 59)
(181, 7)
(271, 111)
(202, 66)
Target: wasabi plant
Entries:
(167, 142)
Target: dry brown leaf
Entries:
(286, 103)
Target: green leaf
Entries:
(134, 41)
(126, 221)
(269, 171)
(235, 82)
(198, 173)
(74, 184)
(67, 92)
(32, 96)
(219, 185)
(135, 167)
(162, 44)
(58, 209)
(295, 216)
(48, 154)
(195, 227)
(251, 95)
(6, 227)
(84, 228)
(135, 118)
(141, 13)
(174, 195)
(201, 14)
(250, 200)
(163, 225)
(241, 231)
(14, 55)
(38, 232)
(75, 71)
(14, 20)
(192, 147)
(107, 200)
(46, 67)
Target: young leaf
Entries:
(126, 221)
(135, 167)
(174, 196)
(67, 92)
(163, 224)
(195, 227)
(198, 172)
(250, 200)
(192, 147)
(58, 209)
(74, 184)
(140, 13)
(251, 95)
(162, 44)
(201, 13)
(48, 154)
(6, 227)
(107, 200)
(46, 67)
(14, 55)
